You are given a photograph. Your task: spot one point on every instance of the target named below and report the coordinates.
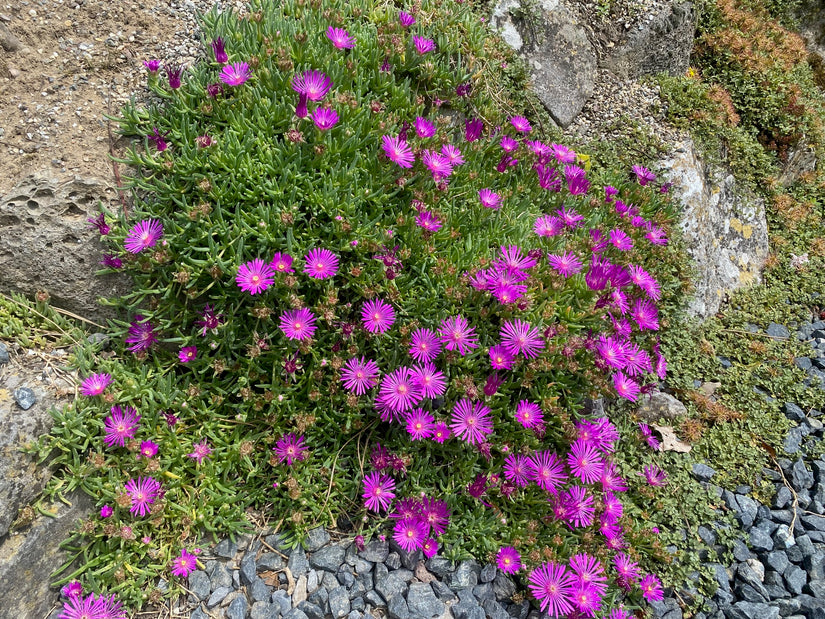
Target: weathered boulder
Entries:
(43, 222)
(21, 480)
(28, 558)
(724, 227)
(662, 44)
(561, 60)
(658, 405)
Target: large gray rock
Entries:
(43, 222)
(661, 44)
(556, 50)
(21, 480)
(658, 405)
(28, 557)
(724, 227)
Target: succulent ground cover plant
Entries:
(357, 278)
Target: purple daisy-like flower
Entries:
(611, 351)
(324, 118)
(552, 585)
(142, 491)
(489, 199)
(377, 316)
(613, 508)
(654, 476)
(297, 324)
(72, 589)
(494, 381)
(579, 504)
(437, 164)
(436, 514)
(106, 511)
(471, 421)
(547, 470)
(424, 128)
(626, 388)
(187, 354)
(399, 390)
(627, 569)
(397, 151)
(358, 375)
(378, 491)
(586, 600)
(120, 424)
(620, 239)
(314, 84)
(577, 183)
(173, 74)
(430, 380)
(219, 49)
(441, 432)
(501, 358)
(92, 607)
(429, 221)
(566, 264)
(562, 153)
(529, 414)
(210, 320)
(453, 154)
(281, 263)
(645, 314)
(422, 45)
(235, 74)
(320, 263)
(429, 548)
(143, 235)
(589, 572)
(153, 66)
(184, 564)
(512, 258)
(645, 281)
(651, 588)
(520, 124)
(111, 262)
(508, 560)
(425, 345)
(411, 533)
(647, 435)
(419, 424)
(148, 449)
(508, 144)
(611, 480)
(548, 226)
(99, 222)
(519, 337)
(456, 333)
(340, 38)
(548, 177)
(517, 469)
(290, 448)
(405, 19)
(643, 175)
(570, 217)
(95, 384)
(200, 451)
(656, 236)
(473, 129)
(255, 276)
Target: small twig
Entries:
(76, 317)
(793, 492)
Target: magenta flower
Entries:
(570, 217)
(579, 507)
(627, 569)
(406, 19)
(548, 177)
(430, 548)
(235, 74)
(520, 124)
(552, 585)
(200, 451)
(184, 564)
(517, 469)
(424, 128)
(429, 221)
(148, 449)
(255, 276)
(589, 572)
(512, 258)
(324, 118)
(489, 199)
(643, 175)
(141, 334)
(577, 183)
(651, 588)
(422, 45)
(173, 74)
(72, 589)
(611, 480)
(378, 491)
(647, 434)
(281, 263)
(399, 390)
(508, 560)
(411, 533)
(419, 424)
(297, 324)
(441, 432)
(219, 49)
(437, 164)
(508, 144)
(547, 470)
(453, 154)
(620, 239)
(456, 333)
(358, 375)
(587, 600)
(529, 414)
(645, 281)
(95, 384)
(611, 351)
(626, 388)
(340, 38)
(500, 358)
(143, 235)
(430, 380)
(153, 66)
(99, 222)
(436, 514)
(519, 337)
(321, 264)
(142, 491)
(398, 151)
(471, 422)
(377, 316)
(120, 425)
(566, 264)
(92, 607)
(313, 84)
(106, 511)
(290, 448)
(210, 320)
(548, 225)
(473, 129)
(111, 262)
(645, 314)
(654, 476)
(187, 354)
(613, 508)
